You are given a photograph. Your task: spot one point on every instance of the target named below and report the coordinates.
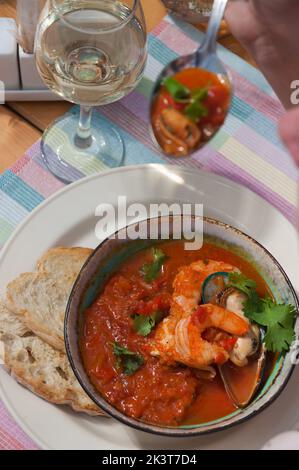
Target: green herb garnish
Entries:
(179, 92)
(277, 319)
(200, 94)
(241, 282)
(196, 110)
(151, 271)
(128, 360)
(253, 304)
(144, 324)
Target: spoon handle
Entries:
(210, 41)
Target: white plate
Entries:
(67, 218)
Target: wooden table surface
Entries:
(21, 124)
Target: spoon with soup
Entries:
(192, 96)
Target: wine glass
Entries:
(90, 52)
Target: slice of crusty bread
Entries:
(41, 297)
(39, 367)
(41, 300)
(67, 260)
(10, 323)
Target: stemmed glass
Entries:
(90, 52)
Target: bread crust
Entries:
(40, 298)
(31, 329)
(74, 257)
(40, 368)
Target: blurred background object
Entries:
(196, 12)
(193, 11)
(28, 12)
(9, 68)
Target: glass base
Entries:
(70, 158)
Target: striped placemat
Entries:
(247, 150)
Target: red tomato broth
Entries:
(156, 393)
(217, 103)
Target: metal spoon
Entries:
(205, 57)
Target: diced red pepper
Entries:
(228, 343)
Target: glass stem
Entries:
(83, 138)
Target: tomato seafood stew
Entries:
(183, 337)
(189, 109)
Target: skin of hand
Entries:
(289, 132)
(268, 29)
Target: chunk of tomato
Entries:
(165, 100)
(217, 97)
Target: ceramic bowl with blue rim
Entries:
(105, 262)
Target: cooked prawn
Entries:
(179, 337)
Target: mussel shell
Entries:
(207, 373)
(216, 290)
(242, 397)
(213, 286)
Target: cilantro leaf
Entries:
(200, 94)
(151, 271)
(278, 338)
(196, 110)
(179, 92)
(241, 282)
(271, 314)
(253, 304)
(144, 324)
(132, 364)
(277, 318)
(127, 359)
(119, 350)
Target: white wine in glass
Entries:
(90, 52)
